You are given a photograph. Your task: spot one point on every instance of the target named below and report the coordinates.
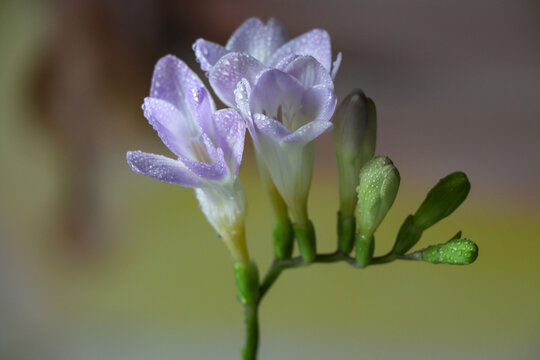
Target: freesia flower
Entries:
(285, 108)
(208, 145)
(267, 43)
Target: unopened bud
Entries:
(379, 184)
(354, 135)
(454, 252)
(442, 200)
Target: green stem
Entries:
(384, 259)
(252, 332)
(278, 266)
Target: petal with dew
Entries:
(229, 70)
(174, 82)
(309, 72)
(258, 39)
(230, 131)
(277, 95)
(162, 168)
(319, 103)
(315, 43)
(208, 171)
(308, 132)
(208, 53)
(269, 128)
(171, 125)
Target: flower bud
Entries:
(379, 183)
(442, 200)
(247, 281)
(454, 252)
(354, 135)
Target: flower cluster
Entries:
(281, 90)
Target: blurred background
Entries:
(99, 263)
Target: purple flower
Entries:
(268, 46)
(208, 144)
(285, 108)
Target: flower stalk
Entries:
(282, 92)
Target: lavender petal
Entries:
(315, 43)
(230, 131)
(208, 53)
(229, 70)
(309, 72)
(162, 168)
(174, 82)
(257, 39)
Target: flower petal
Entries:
(229, 70)
(315, 43)
(335, 65)
(242, 94)
(283, 63)
(174, 82)
(309, 72)
(257, 39)
(171, 125)
(277, 95)
(230, 131)
(268, 128)
(208, 53)
(215, 171)
(308, 132)
(162, 168)
(319, 103)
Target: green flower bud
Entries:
(247, 281)
(364, 250)
(346, 229)
(442, 200)
(407, 237)
(354, 135)
(305, 235)
(454, 252)
(379, 183)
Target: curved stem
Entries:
(277, 267)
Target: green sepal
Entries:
(453, 252)
(247, 281)
(283, 239)
(305, 236)
(442, 200)
(364, 250)
(407, 237)
(346, 228)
